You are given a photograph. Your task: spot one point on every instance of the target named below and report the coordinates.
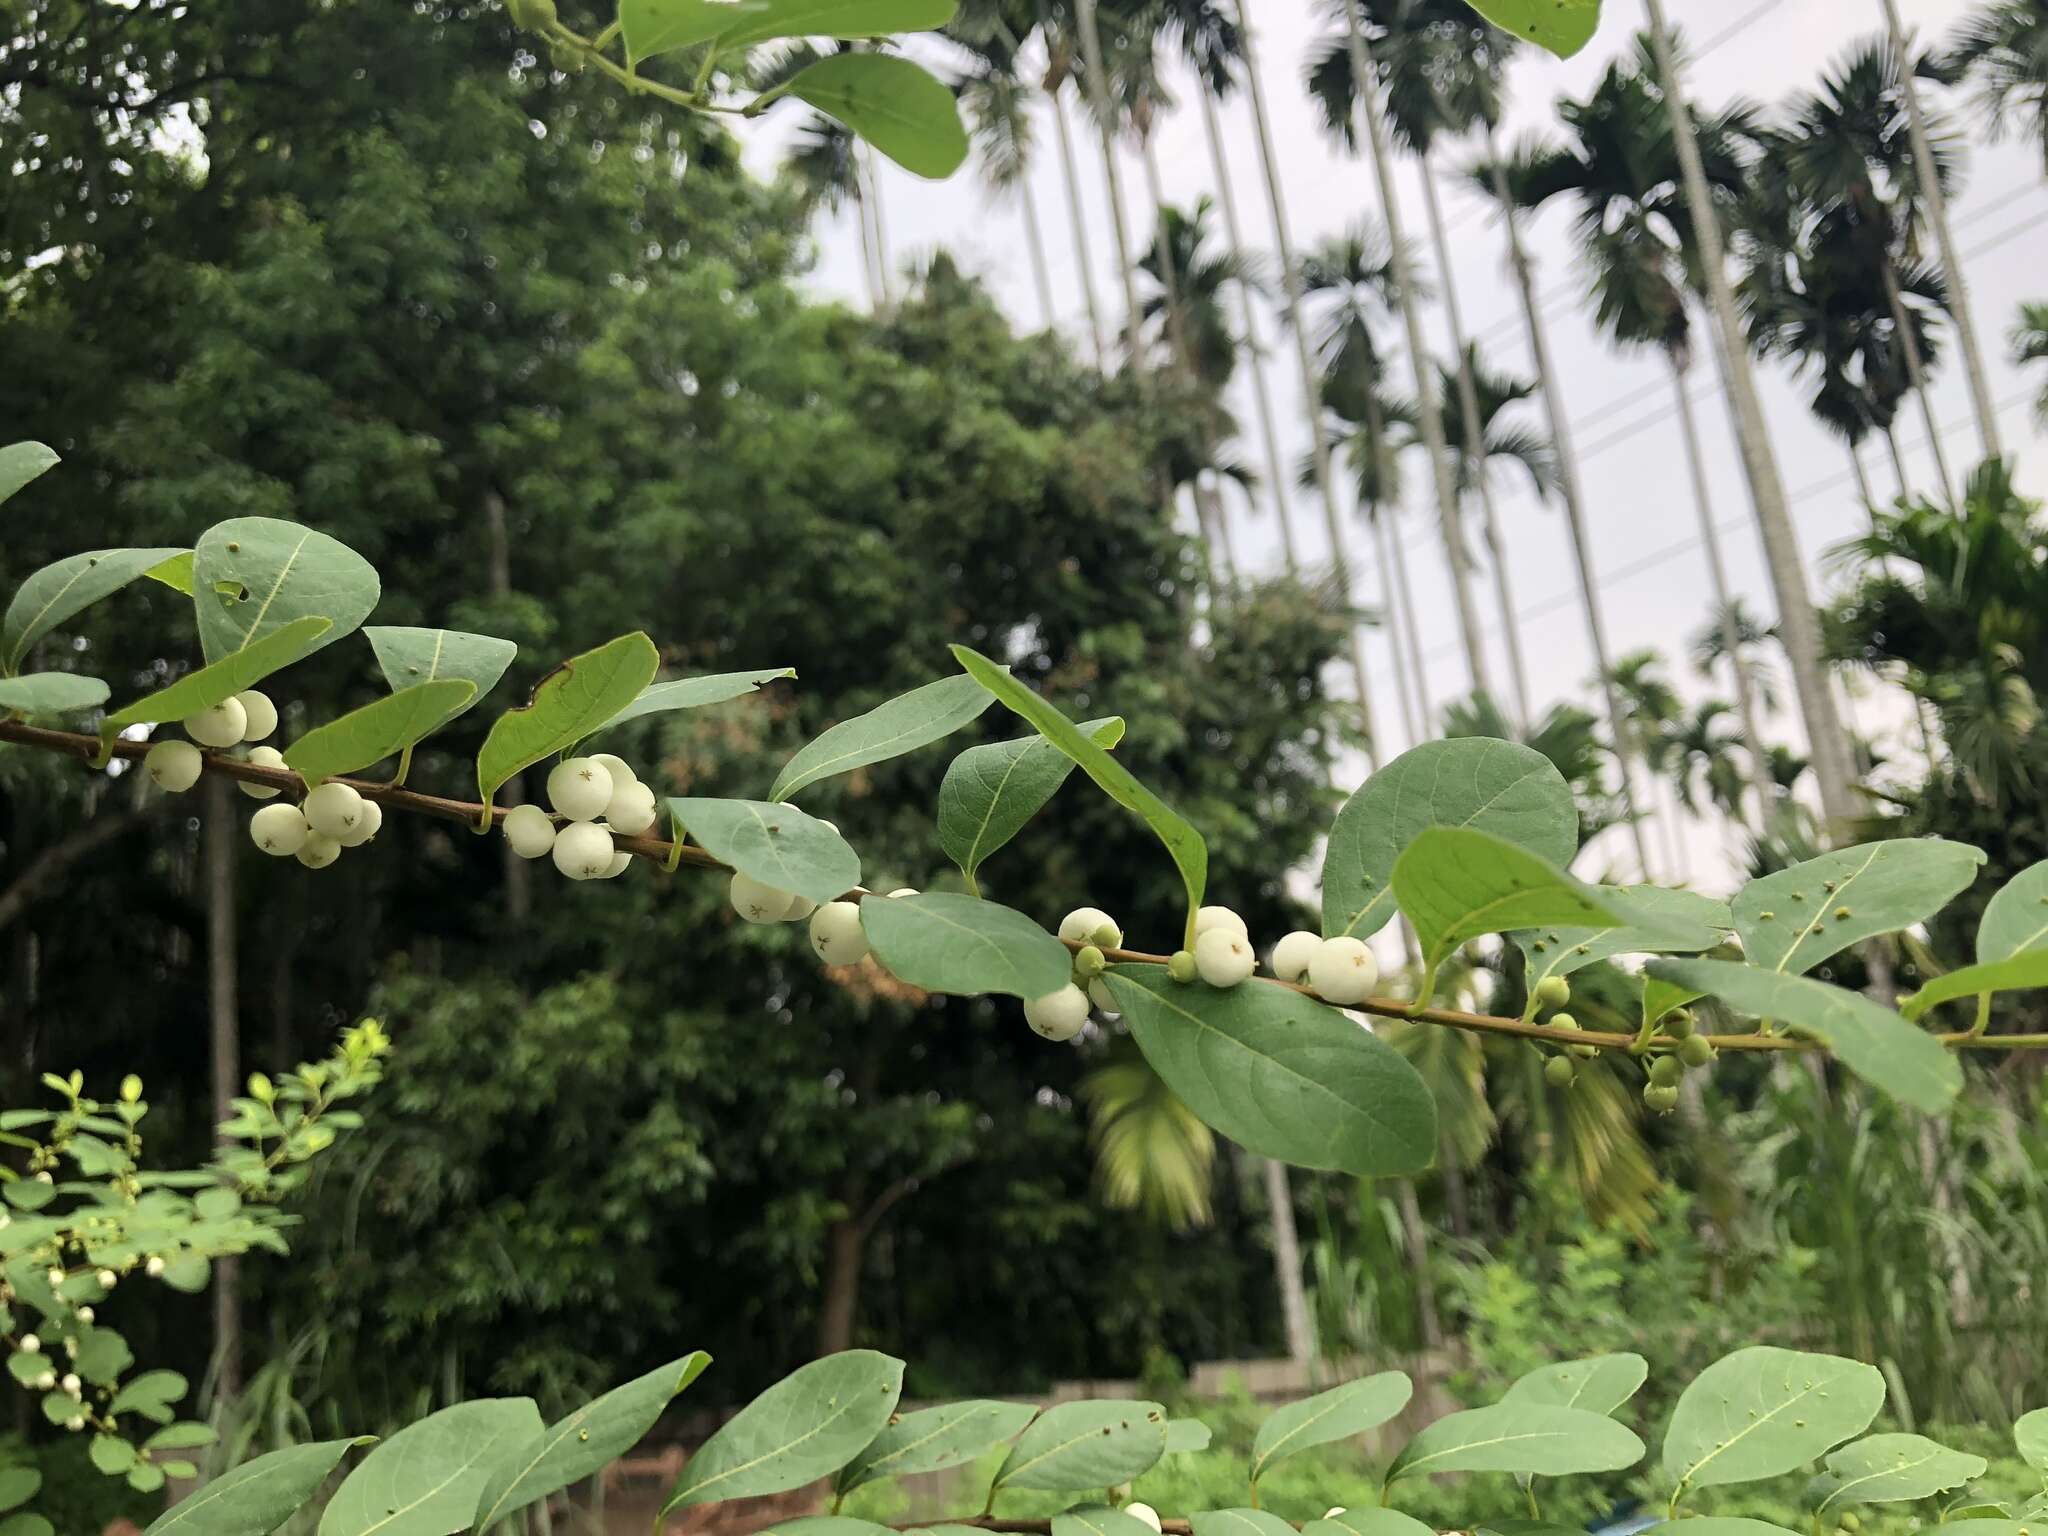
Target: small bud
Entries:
(131, 1089)
(46, 1381)
(260, 1089)
(56, 1277)
(1089, 962)
(30, 1344)
(72, 1385)
(85, 1314)
(1181, 966)
(75, 1422)
(107, 1279)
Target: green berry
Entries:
(1181, 967)
(1089, 963)
(1553, 992)
(1660, 1098)
(531, 15)
(1563, 1021)
(1849, 1522)
(1665, 1071)
(1694, 1051)
(1559, 1072)
(1679, 1024)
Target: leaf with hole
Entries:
(21, 463)
(1873, 1042)
(1338, 1414)
(1793, 920)
(897, 105)
(56, 592)
(933, 1439)
(51, 693)
(409, 657)
(1538, 1439)
(258, 1496)
(1561, 27)
(223, 679)
(903, 724)
(567, 705)
(1598, 1384)
(1763, 1412)
(944, 942)
(381, 729)
(1086, 1445)
(773, 842)
(990, 792)
(807, 1426)
(694, 693)
(253, 576)
(425, 1480)
(1890, 1469)
(584, 1442)
(1281, 1074)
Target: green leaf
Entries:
(1184, 1437)
(586, 1441)
(183, 1436)
(777, 844)
(51, 693)
(1369, 1522)
(1539, 1439)
(1501, 787)
(1686, 923)
(258, 1496)
(1888, 1469)
(426, 1479)
(175, 573)
(1337, 1414)
(991, 792)
(113, 1455)
(18, 1485)
(1098, 1520)
(694, 693)
(1727, 1525)
(764, 20)
(1189, 853)
(56, 592)
(1239, 1522)
(2012, 946)
(567, 705)
(21, 463)
(378, 730)
(408, 657)
(832, 1525)
(1457, 884)
(1086, 1445)
(934, 1439)
(252, 576)
(2014, 975)
(905, 723)
(26, 1525)
(1793, 920)
(1281, 1074)
(225, 678)
(1662, 998)
(660, 26)
(1873, 1042)
(2020, 1527)
(964, 945)
(2030, 1434)
(151, 1395)
(1765, 1411)
(897, 105)
(1598, 1384)
(1561, 27)
(102, 1355)
(807, 1426)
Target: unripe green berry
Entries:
(259, 715)
(1181, 966)
(334, 810)
(530, 831)
(1678, 1024)
(1553, 992)
(262, 757)
(1343, 971)
(1660, 1098)
(580, 788)
(1666, 1071)
(173, 765)
(318, 851)
(1058, 1015)
(1294, 953)
(1694, 1051)
(220, 726)
(1220, 917)
(1850, 1521)
(1224, 959)
(279, 830)
(1559, 1072)
(1089, 962)
(583, 850)
(1086, 925)
(836, 933)
(531, 15)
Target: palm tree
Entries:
(1734, 636)
(2001, 49)
(2030, 345)
(1797, 617)
(1151, 1154)
(1653, 713)
(998, 108)
(1706, 761)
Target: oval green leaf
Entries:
(1337, 1414)
(258, 1496)
(934, 1439)
(807, 1426)
(1457, 884)
(56, 592)
(425, 1480)
(2030, 1434)
(1765, 1411)
(1369, 1522)
(776, 843)
(1281, 1074)
(18, 1485)
(1873, 1042)
(567, 705)
(897, 105)
(378, 730)
(694, 693)
(963, 945)
(1795, 919)
(1086, 1445)
(991, 792)
(408, 657)
(828, 1525)
(21, 463)
(587, 1441)
(2012, 946)
(764, 20)
(1537, 1439)
(1598, 1384)
(1238, 1522)
(2018, 974)
(1889, 1469)
(1098, 1520)
(1502, 787)
(52, 693)
(1185, 1437)
(905, 723)
(1561, 27)
(26, 1524)
(225, 678)
(252, 576)
(1686, 923)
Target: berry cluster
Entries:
(1660, 1091)
(595, 797)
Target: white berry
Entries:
(30, 1344)
(46, 1380)
(1223, 958)
(259, 715)
(631, 809)
(621, 771)
(107, 1279)
(76, 1421)
(262, 757)
(1086, 925)
(583, 850)
(1334, 1512)
(580, 788)
(1220, 917)
(1291, 956)
(758, 902)
(1144, 1512)
(1058, 1015)
(334, 810)
(85, 1314)
(173, 765)
(279, 830)
(836, 933)
(318, 851)
(155, 1266)
(1100, 995)
(367, 826)
(220, 726)
(621, 862)
(530, 831)
(903, 890)
(71, 1384)
(1343, 971)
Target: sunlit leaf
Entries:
(567, 705)
(949, 943)
(1764, 1411)
(807, 1426)
(1086, 1445)
(56, 592)
(381, 729)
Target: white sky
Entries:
(1639, 504)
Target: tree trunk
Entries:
(1985, 407)
(1864, 493)
(1105, 122)
(518, 874)
(1891, 443)
(1311, 391)
(1276, 468)
(1568, 489)
(845, 1244)
(223, 836)
(1071, 175)
(1916, 374)
(867, 244)
(873, 181)
(1416, 1234)
(1429, 405)
(1034, 239)
(1475, 448)
(1731, 639)
(1390, 615)
(1287, 1260)
(1798, 623)
(1397, 567)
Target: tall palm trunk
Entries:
(1945, 241)
(1397, 564)
(1311, 394)
(1400, 635)
(871, 179)
(1084, 262)
(1429, 404)
(1798, 624)
(1034, 239)
(1891, 443)
(1475, 446)
(223, 1007)
(1287, 1260)
(1916, 372)
(1255, 362)
(1105, 123)
(1568, 489)
(1717, 574)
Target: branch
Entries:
(60, 856)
